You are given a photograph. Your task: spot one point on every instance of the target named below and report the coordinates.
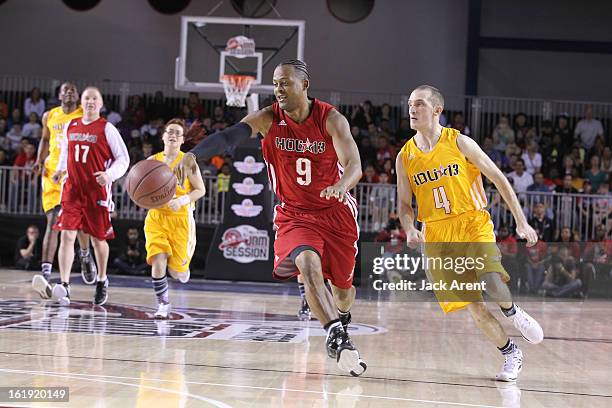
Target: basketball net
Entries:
(236, 86)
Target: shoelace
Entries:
(511, 361)
(523, 321)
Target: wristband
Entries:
(183, 200)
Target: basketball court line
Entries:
(87, 377)
(556, 338)
(406, 380)
(94, 377)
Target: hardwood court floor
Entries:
(229, 349)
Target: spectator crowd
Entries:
(554, 157)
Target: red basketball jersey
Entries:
(88, 151)
(301, 159)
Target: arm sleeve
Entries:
(63, 145)
(120, 152)
(221, 142)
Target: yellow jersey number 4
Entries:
(441, 200)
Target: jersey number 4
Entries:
(441, 200)
(78, 157)
(303, 169)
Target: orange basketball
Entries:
(150, 183)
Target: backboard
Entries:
(203, 58)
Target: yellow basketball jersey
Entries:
(181, 190)
(443, 181)
(56, 121)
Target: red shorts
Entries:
(87, 209)
(333, 233)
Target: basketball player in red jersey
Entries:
(93, 155)
(54, 122)
(313, 162)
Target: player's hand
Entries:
(414, 237)
(174, 204)
(38, 168)
(56, 177)
(335, 191)
(188, 165)
(525, 231)
(102, 178)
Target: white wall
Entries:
(403, 43)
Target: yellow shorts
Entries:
(466, 243)
(170, 234)
(50, 192)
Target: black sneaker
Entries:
(89, 271)
(345, 319)
(101, 293)
(340, 348)
(304, 313)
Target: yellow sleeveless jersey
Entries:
(56, 121)
(443, 181)
(186, 188)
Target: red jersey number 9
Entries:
(303, 169)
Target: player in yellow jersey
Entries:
(53, 123)
(442, 168)
(170, 236)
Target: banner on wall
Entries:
(242, 248)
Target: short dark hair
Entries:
(176, 121)
(436, 97)
(299, 66)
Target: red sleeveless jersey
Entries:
(88, 152)
(301, 159)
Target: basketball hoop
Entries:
(236, 88)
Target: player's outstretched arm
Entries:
(230, 137)
(220, 142)
(479, 158)
(43, 147)
(404, 207)
(348, 155)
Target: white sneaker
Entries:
(42, 286)
(512, 366)
(163, 309)
(61, 294)
(527, 325)
(182, 277)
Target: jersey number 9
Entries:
(303, 169)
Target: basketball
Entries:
(150, 184)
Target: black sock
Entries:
(509, 312)
(160, 285)
(331, 325)
(341, 313)
(302, 290)
(46, 269)
(508, 348)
